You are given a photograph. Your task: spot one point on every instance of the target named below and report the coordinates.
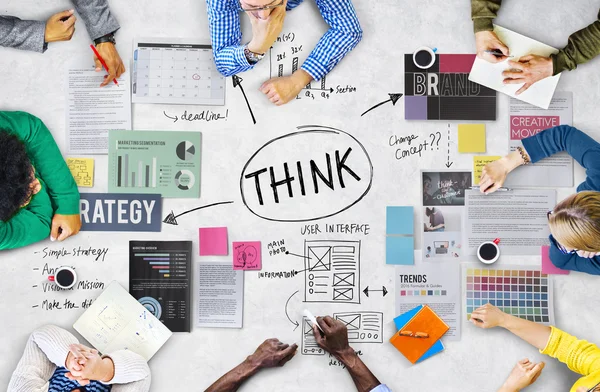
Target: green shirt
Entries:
(59, 194)
(583, 45)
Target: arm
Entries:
(573, 262)
(131, 372)
(483, 12)
(343, 36)
(30, 225)
(271, 353)
(334, 340)
(22, 34)
(583, 46)
(226, 37)
(579, 355)
(97, 17)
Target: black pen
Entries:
(496, 53)
(501, 189)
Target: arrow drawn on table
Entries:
(383, 290)
(172, 218)
(286, 311)
(237, 82)
(394, 97)
(448, 163)
(293, 254)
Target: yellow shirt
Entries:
(579, 355)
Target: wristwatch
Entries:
(252, 57)
(110, 37)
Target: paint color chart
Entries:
(518, 291)
(422, 293)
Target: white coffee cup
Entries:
(489, 251)
(64, 277)
(426, 49)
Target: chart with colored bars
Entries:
(518, 291)
(423, 293)
(155, 162)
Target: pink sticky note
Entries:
(246, 256)
(547, 266)
(213, 241)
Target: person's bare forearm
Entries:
(231, 381)
(533, 333)
(364, 380)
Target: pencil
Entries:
(102, 62)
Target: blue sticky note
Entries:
(399, 220)
(404, 318)
(400, 250)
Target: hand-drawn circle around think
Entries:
(324, 181)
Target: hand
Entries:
(265, 31)
(334, 338)
(272, 353)
(60, 27)
(488, 316)
(587, 255)
(523, 375)
(488, 40)
(493, 176)
(113, 61)
(283, 89)
(64, 226)
(529, 69)
(85, 364)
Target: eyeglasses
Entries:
(410, 334)
(274, 4)
(560, 247)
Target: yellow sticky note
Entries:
(479, 163)
(471, 137)
(82, 170)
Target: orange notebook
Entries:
(425, 328)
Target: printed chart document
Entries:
(518, 217)
(160, 279)
(94, 110)
(220, 291)
(116, 321)
(527, 120)
(490, 75)
(435, 285)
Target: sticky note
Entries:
(399, 220)
(471, 138)
(479, 163)
(213, 241)
(547, 266)
(246, 256)
(400, 250)
(82, 170)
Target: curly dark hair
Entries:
(16, 175)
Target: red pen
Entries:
(102, 62)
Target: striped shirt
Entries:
(226, 36)
(60, 383)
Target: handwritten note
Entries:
(479, 163)
(82, 170)
(246, 256)
(471, 138)
(213, 241)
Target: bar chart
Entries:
(132, 174)
(171, 264)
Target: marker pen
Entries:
(312, 319)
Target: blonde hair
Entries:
(575, 221)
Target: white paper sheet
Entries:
(117, 321)
(490, 75)
(436, 285)
(220, 295)
(518, 217)
(94, 110)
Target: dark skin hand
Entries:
(334, 340)
(271, 353)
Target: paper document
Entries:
(490, 75)
(82, 170)
(117, 321)
(518, 217)
(527, 120)
(220, 295)
(94, 110)
(435, 285)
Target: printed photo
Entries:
(441, 245)
(445, 188)
(439, 219)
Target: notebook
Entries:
(404, 318)
(424, 321)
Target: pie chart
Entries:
(186, 151)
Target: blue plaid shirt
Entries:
(226, 35)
